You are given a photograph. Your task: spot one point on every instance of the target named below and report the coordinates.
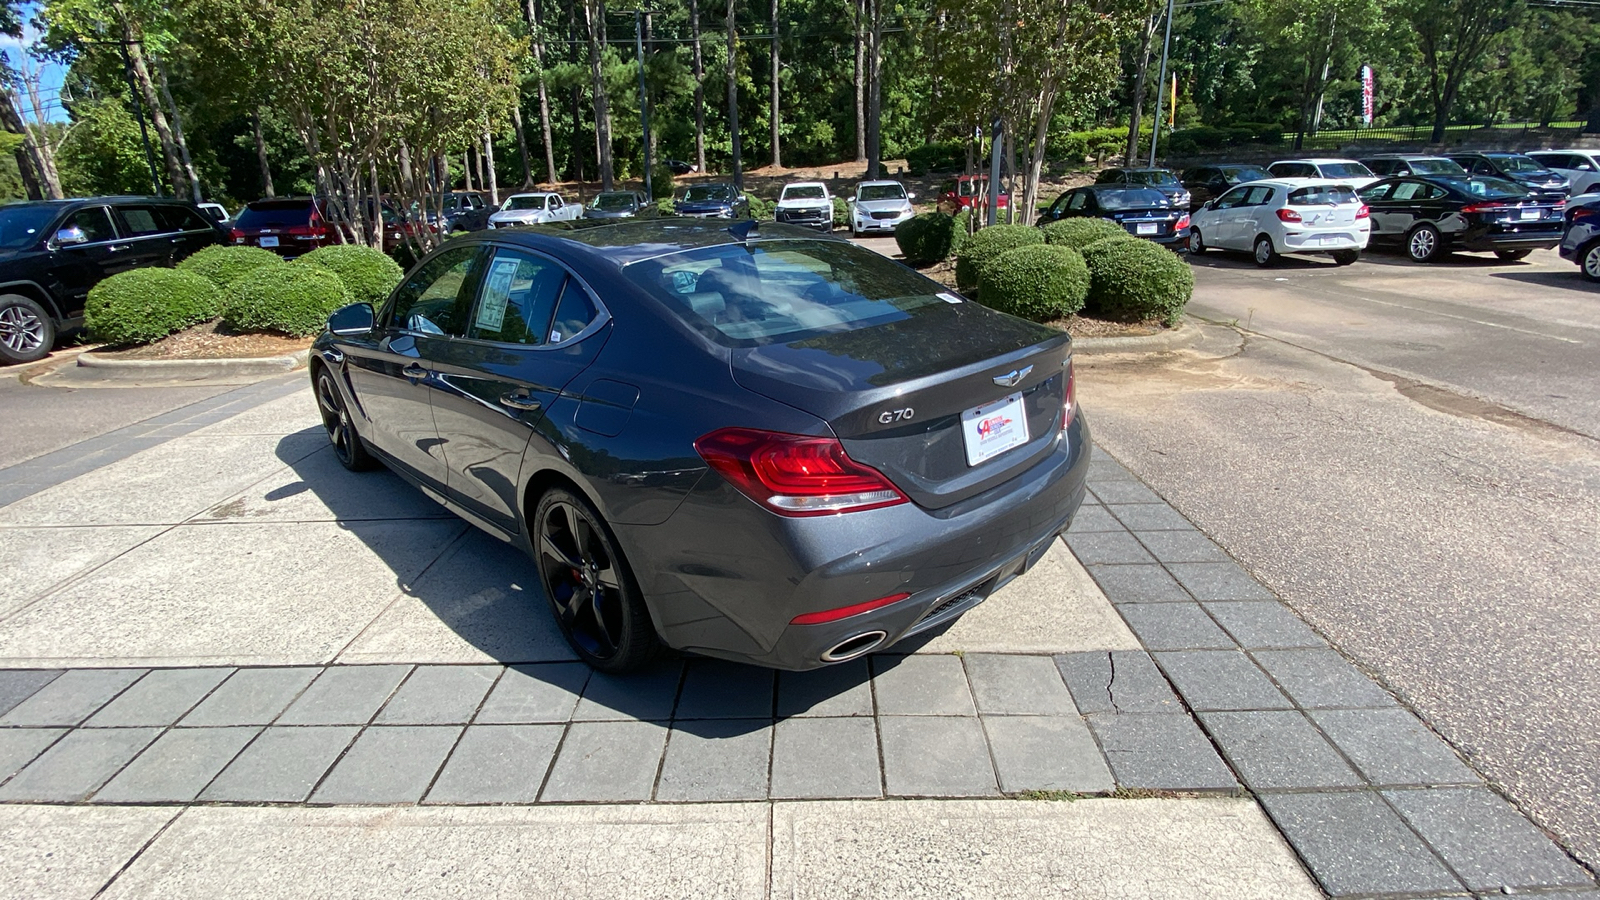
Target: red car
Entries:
(967, 192)
(288, 227)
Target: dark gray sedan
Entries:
(618, 205)
(759, 444)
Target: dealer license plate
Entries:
(1147, 228)
(269, 241)
(1526, 214)
(993, 428)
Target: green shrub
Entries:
(841, 213)
(664, 206)
(761, 210)
(1080, 233)
(366, 273)
(143, 305)
(223, 265)
(986, 245)
(1134, 279)
(295, 299)
(661, 181)
(1039, 282)
(943, 156)
(929, 238)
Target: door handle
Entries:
(414, 372)
(519, 401)
(118, 247)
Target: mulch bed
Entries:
(211, 340)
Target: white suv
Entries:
(879, 206)
(1284, 215)
(806, 203)
(1582, 167)
(1347, 171)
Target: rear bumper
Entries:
(1324, 241)
(725, 578)
(1525, 239)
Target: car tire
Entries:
(1512, 255)
(27, 331)
(1345, 257)
(1264, 253)
(591, 590)
(1424, 244)
(1197, 244)
(348, 447)
(1589, 261)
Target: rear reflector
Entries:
(845, 612)
(1069, 409)
(794, 474)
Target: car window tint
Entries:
(574, 313)
(1407, 190)
(1258, 196)
(141, 220)
(1077, 201)
(435, 298)
(1231, 199)
(1377, 192)
(178, 218)
(1322, 195)
(94, 221)
(518, 297)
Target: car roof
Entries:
(1406, 156)
(805, 184)
(880, 183)
(624, 242)
(1315, 160)
(534, 194)
(1116, 187)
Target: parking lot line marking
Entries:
(1472, 320)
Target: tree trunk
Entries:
(733, 96)
(27, 153)
(466, 169)
(777, 138)
(261, 154)
(875, 92)
(860, 82)
(177, 134)
(522, 145)
(1035, 161)
(536, 25)
(699, 88)
(493, 181)
(573, 104)
(594, 14)
(1136, 104)
(147, 90)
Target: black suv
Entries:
(53, 251)
(1210, 182)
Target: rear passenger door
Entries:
(151, 240)
(1250, 219)
(189, 229)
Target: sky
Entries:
(51, 74)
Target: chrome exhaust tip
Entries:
(852, 647)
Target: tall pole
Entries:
(996, 140)
(138, 112)
(644, 97)
(1166, 44)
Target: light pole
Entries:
(1161, 87)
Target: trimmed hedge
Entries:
(296, 299)
(841, 213)
(223, 265)
(1134, 279)
(1039, 282)
(367, 274)
(1080, 233)
(143, 305)
(987, 244)
(929, 238)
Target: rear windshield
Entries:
(275, 214)
(1322, 195)
(1518, 163)
(1138, 198)
(535, 202)
(805, 192)
(1435, 167)
(613, 202)
(703, 192)
(1241, 174)
(880, 192)
(1152, 178)
(1487, 187)
(768, 292)
(1345, 170)
(21, 226)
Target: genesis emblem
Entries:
(1013, 377)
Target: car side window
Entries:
(1432, 192)
(1406, 190)
(554, 202)
(518, 298)
(1258, 196)
(1077, 200)
(1483, 167)
(573, 313)
(177, 218)
(435, 299)
(1231, 199)
(95, 222)
(1377, 192)
(141, 221)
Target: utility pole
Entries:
(644, 97)
(996, 141)
(1161, 85)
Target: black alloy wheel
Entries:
(27, 332)
(592, 593)
(1512, 255)
(347, 444)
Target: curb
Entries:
(194, 369)
(1181, 336)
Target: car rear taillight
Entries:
(1482, 207)
(795, 474)
(237, 235)
(1288, 215)
(1365, 212)
(1183, 222)
(1584, 213)
(1069, 409)
(845, 612)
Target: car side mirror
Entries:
(71, 235)
(911, 196)
(1209, 204)
(355, 319)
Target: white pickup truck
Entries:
(534, 209)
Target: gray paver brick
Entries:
(159, 698)
(1321, 678)
(282, 765)
(251, 697)
(71, 698)
(1278, 750)
(1138, 584)
(1018, 685)
(936, 756)
(177, 766)
(439, 695)
(1046, 753)
(714, 689)
(344, 695)
(1123, 491)
(1181, 546)
(933, 685)
(614, 761)
(1218, 581)
(1220, 680)
(1108, 547)
(1355, 844)
(1174, 626)
(839, 690)
(497, 764)
(19, 746)
(78, 764)
(645, 695)
(1094, 518)
(543, 692)
(1160, 752)
(1117, 681)
(1103, 468)
(1263, 624)
(1150, 517)
(1390, 747)
(392, 764)
(825, 758)
(17, 685)
(1487, 842)
(722, 759)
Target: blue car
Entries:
(713, 201)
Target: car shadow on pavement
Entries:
(1455, 260)
(1222, 259)
(1568, 281)
(478, 599)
